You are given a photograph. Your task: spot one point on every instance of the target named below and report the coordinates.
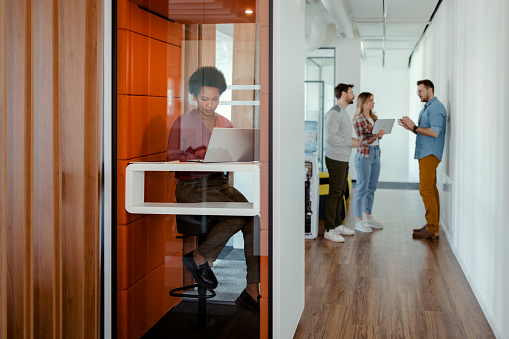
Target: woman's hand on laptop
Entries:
(200, 152)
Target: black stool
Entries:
(199, 226)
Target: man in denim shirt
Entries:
(429, 147)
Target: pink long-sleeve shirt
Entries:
(189, 139)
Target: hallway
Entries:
(385, 284)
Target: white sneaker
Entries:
(373, 222)
(341, 229)
(332, 235)
(363, 226)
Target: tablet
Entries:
(385, 124)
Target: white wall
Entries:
(288, 164)
(465, 53)
(348, 71)
(390, 89)
(348, 62)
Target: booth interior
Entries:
(159, 45)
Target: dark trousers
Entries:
(215, 188)
(338, 182)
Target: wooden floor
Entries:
(385, 284)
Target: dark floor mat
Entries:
(230, 322)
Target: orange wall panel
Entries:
(174, 111)
(123, 14)
(122, 58)
(131, 17)
(160, 186)
(133, 63)
(142, 65)
(174, 69)
(143, 245)
(139, 249)
(147, 301)
(172, 245)
(141, 126)
(264, 318)
(157, 67)
(137, 64)
(264, 276)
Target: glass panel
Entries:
(320, 83)
(314, 98)
(193, 94)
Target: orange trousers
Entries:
(429, 191)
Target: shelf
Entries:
(135, 189)
(198, 208)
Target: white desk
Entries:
(135, 189)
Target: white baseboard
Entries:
(485, 309)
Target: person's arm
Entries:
(361, 129)
(433, 131)
(175, 149)
(332, 135)
(436, 121)
(426, 131)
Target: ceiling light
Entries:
(248, 11)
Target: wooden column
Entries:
(199, 50)
(50, 171)
(245, 58)
(190, 61)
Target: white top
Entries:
(372, 122)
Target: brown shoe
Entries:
(425, 234)
(419, 229)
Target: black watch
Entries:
(415, 128)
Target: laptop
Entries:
(385, 124)
(233, 145)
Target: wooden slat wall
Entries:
(3, 174)
(50, 173)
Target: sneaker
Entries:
(332, 235)
(363, 226)
(341, 229)
(373, 222)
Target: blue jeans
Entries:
(368, 171)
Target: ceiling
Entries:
(390, 29)
(202, 11)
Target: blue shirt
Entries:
(432, 116)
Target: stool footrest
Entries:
(189, 295)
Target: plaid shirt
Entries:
(363, 129)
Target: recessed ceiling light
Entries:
(248, 11)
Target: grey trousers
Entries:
(215, 187)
